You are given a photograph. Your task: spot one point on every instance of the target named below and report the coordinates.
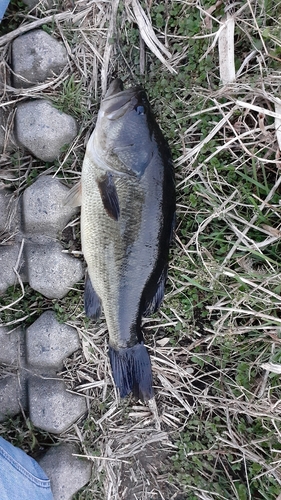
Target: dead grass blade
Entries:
(148, 35)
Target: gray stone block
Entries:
(12, 397)
(43, 129)
(44, 211)
(43, 345)
(36, 56)
(48, 342)
(43, 264)
(8, 258)
(51, 407)
(67, 473)
(50, 271)
(11, 346)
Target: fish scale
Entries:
(113, 270)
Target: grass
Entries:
(216, 432)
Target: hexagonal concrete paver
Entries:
(50, 271)
(43, 129)
(36, 56)
(67, 473)
(51, 407)
(43, 214)
(12, 396)
(44, 210)
(49, 342)
(33, 357)
(11, 346)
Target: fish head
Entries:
(119, 102)
(122, 136)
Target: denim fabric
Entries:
(21, 477)
(3, 6)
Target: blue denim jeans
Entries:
(21, 477)
(3, 6)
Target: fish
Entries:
(128, 204)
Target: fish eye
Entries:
(140, 110)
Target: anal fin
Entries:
(92, 302)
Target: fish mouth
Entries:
(115, 87)
(117, 101)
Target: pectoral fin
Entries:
(109, 196)
(74, 196)
(92, 302)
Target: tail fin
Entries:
(131, 370)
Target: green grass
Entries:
(20, 432)
(71, 99)
(221, 315)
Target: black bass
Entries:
(127, 217)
